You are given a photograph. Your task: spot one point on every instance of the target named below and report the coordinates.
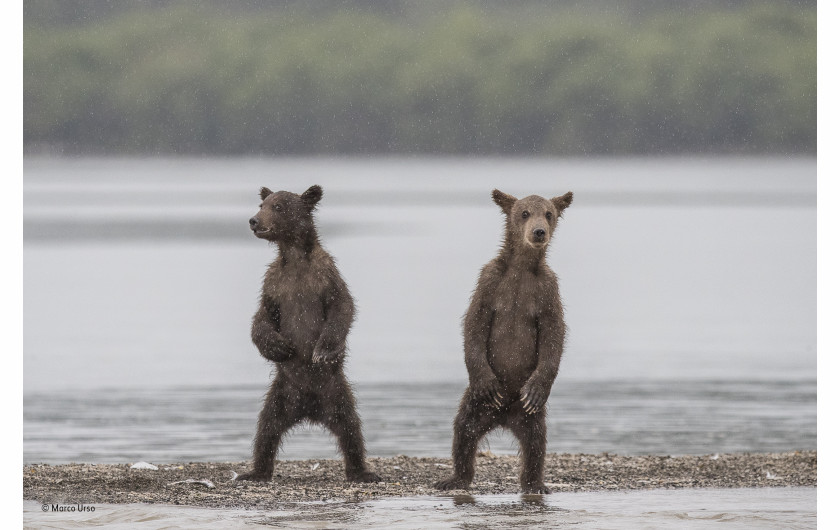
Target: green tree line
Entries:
(463, 78)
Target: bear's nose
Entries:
(252, 221)
(539, 232)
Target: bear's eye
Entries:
(526, 214)
(278, 207)
(548, 215)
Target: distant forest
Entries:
(433, 77)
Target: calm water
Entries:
(689, 287)
(783, 508)
(143, 273)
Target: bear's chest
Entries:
(517, 297)
(295, 289)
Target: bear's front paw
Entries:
(489, 390)
(533, 396)
(277, 351)
(363, 476)
(255, 476)
(452, 483)
(322, 355)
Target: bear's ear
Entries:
(504, 201)
(265, 192)
(311, 197)
(562, 202)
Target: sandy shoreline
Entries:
(318, 480)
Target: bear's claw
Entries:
(255, 476)
(321, 356)
(489, 391)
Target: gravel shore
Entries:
(210, 484)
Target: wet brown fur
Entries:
(513, 340)
(304, 315)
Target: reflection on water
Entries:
(446, 511)
(790, 508)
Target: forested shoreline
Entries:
(455, 78)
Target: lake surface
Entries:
(415, 419)
(143, 273)
(689, 287)
(782, 508)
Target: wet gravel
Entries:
(210, 484)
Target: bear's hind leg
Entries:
(275, 419)
(530, 430)
(473, 421)
(340, 417)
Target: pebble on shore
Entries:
(323, 480)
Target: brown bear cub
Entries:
(513, 341)
(301, 325)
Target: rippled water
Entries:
(217, 424)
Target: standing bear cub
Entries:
(301, 325)
(513, 341)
